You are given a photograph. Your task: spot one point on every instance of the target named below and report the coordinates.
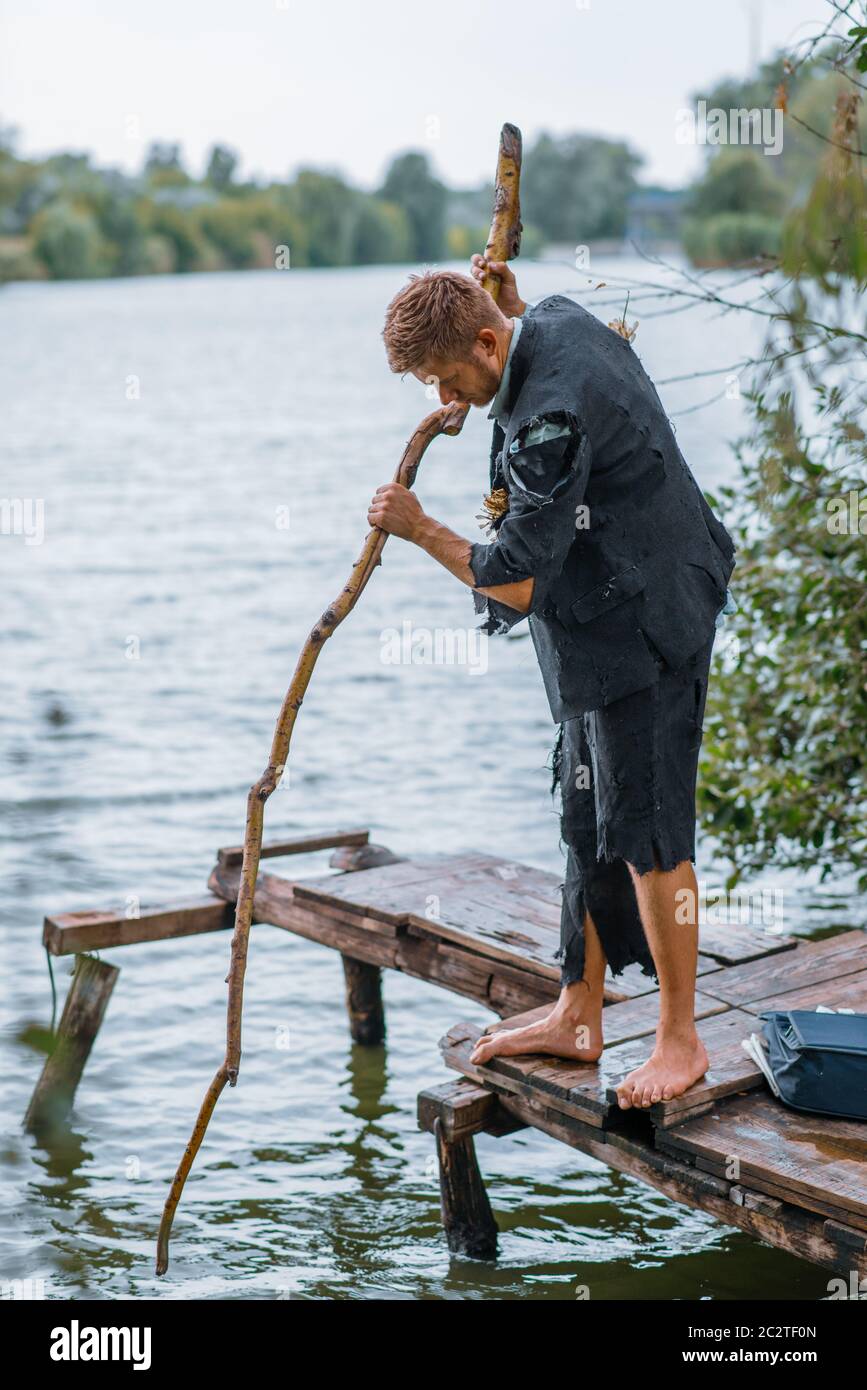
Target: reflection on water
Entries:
(171, 427)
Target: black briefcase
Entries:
(819, 1060)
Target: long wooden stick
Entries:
(503, 243)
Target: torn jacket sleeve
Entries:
(549, 479)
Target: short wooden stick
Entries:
(86, 1002)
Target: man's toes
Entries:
(656, 1094)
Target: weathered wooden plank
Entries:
(846, 1235)
(810, 963)
(278, 900)
(729, 943)
(512, 1075)
(799, 1232)
(585, 1089)
(231, 856)
(725, 943)
(730, 1071)
(758, 1201)
(438, 962)
(847, 992)
(514, 989)
(513, 876)
(489, 931)
(632, 983)
(374, 892)
(71, 933)
(807, 1160)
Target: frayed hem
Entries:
(645, 850)
(618, 970)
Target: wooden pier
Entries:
(487, 928)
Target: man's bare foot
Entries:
(572, 1029)
(673, 1066)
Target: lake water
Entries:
(172, 427)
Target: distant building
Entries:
(654, 216)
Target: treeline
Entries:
(64, 218)
(737, 210)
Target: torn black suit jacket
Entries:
(608, 519)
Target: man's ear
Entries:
(486, 340)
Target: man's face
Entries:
(472, 382)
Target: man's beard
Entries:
(489, 385)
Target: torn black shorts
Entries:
(627, 775)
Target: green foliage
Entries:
(229, 225)
(181, 230)
(785, 758)
(68, 242)
(742, 180)
(410, 185)
(731, 238)
(578, 186)
(784, 755)
(325, 206)
(222, 163)
(827, 238)
(738, 180)
(163, 167)
(382, 233)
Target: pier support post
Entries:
(86, 1002)
(364, 1001)
(467, 1217)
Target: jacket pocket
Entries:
(614, 590)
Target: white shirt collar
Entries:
(498, 404)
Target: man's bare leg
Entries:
(679, 1057)
(573, 1028)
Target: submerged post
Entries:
(468, 1221)
(86, 1003)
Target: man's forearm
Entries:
(453, 553)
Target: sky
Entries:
(346, 84)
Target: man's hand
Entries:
(509, 302)
(397, 510)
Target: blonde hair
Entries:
(438, 314)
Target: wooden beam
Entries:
(793, 1229)
(232, 856)
(463, 1109)
(70, 933)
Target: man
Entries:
(606, 543)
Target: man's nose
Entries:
(447, 395)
